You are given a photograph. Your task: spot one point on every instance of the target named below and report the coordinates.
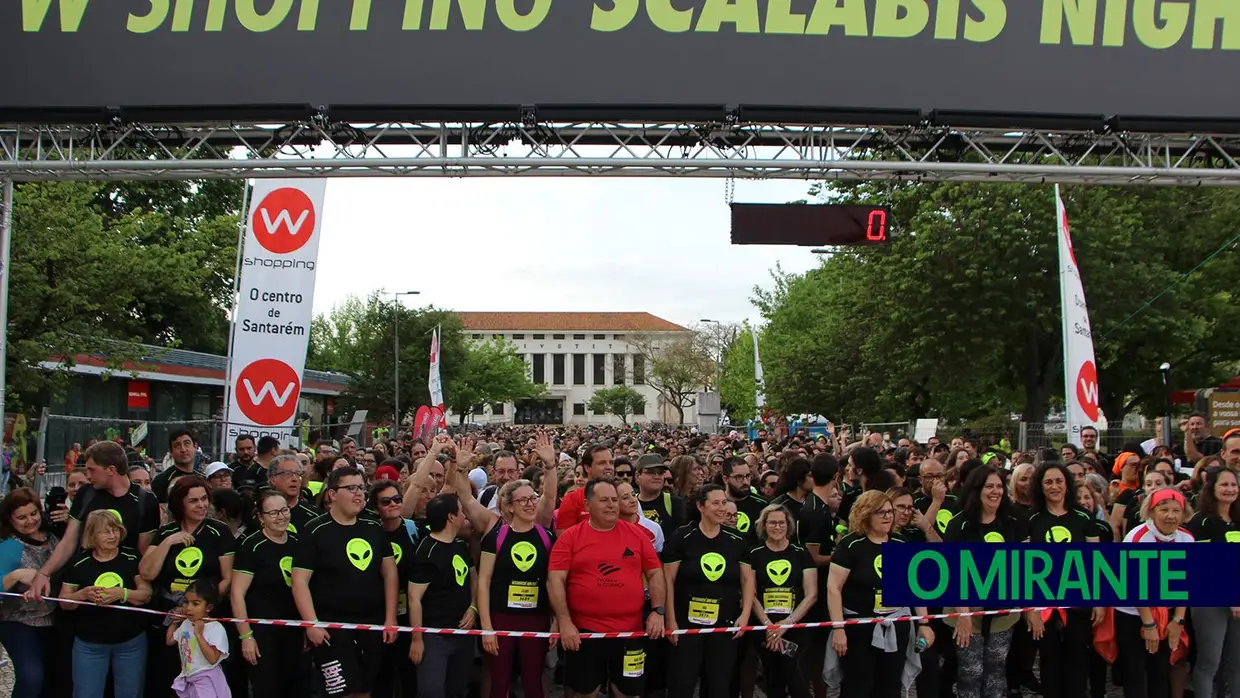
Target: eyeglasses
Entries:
(353, 489)
(624, 473)
(282, 473)
(776, 524)
(525, 501)
(394, 499)
(277, 513)
(904, 507)
(885, 512)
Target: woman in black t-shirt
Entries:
(911, 524)
(1216, 631)
(263, 581)
(710, 584)
(191, 547)
(982, 645)
(105, 573)
(1064, 636)
(854, 590)
(512, 589)
(786, 589)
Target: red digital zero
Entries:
(284, 220)
(267, 392)
(876, 226)
(1087, 390)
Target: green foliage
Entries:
(738, 385)
(620, 401)
(493, 372)
(358, 338)
(961, 317)
(92, 263)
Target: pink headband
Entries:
(1163, 495)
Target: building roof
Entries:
(567, 322)
(180, 365)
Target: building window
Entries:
(539, 374)
(557, 369)
(579, 409)
(557, 336)
(540, 336)
(600, 336)
(579, 336)
(497, 408)
(579, 369)
(617, 336)
(478, 408)
(639, 410)
(639, 369)
(518, 336)
(476, 336)
(618, 369)
(497, 336)
(600, 369)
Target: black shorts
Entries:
(620, 662)
(351, 663)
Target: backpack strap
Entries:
(667, 502)
(546, 537)
(488, 495)
(499, 539)
(411, 529)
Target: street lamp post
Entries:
(1165, 370)
(396, 351)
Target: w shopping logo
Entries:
(284, 220)
(267, 392)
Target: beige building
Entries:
(574, 354)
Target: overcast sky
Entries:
(550, 244)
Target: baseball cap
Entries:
(478, 477)
(651, 461)
(216, 467)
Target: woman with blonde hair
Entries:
(685, 475)
(871, 658)
(104, 573)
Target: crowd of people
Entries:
(576, 532)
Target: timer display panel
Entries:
(810, 225)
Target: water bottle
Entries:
(921, 645)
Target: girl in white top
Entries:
(1144, 655)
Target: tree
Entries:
(960, 317)
(493, 372)
(620, 401)
(738, 384)
(357, 338)
(85, 275)
(677, 366)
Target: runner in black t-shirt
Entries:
(710, 584)
(664, 508)
(933, 500)
(263, 583)
(106, 635)
(344, 570)
(183, 448)
(441, 595)
(785, 590)
(749, 506)
(110, 489)
(396, 670)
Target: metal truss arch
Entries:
(319, 148)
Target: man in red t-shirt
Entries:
(595, 586)
(572, 511)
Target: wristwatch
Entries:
(1177, 620)
(659, 610)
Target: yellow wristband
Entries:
(125, 596)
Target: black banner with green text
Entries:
(1158, 59)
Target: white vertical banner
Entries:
(1080, 373)
(272, 322)
(433, 383)
(760, 393)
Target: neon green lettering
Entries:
(994, 19)
(517, 22)
(741, 14)
(149, 22)
(830, 13)
(900, 19)
(1081, 16)
(35, 11)
(1159, 25)
(1209, 14)
(618, 17)
(668, 18)
(780, 19)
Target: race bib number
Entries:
(634, 664)
(878, 604)
(523, 595)
(703, 611)
(778, 600)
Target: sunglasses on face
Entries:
(394, 499)
(624, 473)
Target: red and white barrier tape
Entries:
(584, 636)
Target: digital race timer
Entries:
(810, 225)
